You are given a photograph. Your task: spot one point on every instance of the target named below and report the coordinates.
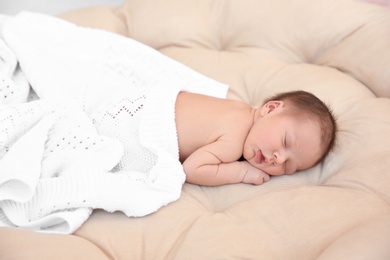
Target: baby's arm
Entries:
(215, 164)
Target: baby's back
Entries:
(201, 120)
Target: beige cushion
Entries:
(337, 49)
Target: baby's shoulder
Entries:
(239, 115)
(237, 124)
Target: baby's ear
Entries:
(271, 106)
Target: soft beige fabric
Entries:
(337, 49)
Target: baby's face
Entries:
(279, 143)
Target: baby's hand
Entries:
(253, 175)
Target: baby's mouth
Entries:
(259, 157)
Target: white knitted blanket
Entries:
(95, 130)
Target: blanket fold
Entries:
(102, 134)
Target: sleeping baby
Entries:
(291, 132)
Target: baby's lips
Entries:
(259, 156)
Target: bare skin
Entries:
(214, 133)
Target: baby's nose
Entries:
(279, 157)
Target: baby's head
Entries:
(306, 106)
(292, 131)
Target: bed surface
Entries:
(336, 49)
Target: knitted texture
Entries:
(101, 134)
(13, 85)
